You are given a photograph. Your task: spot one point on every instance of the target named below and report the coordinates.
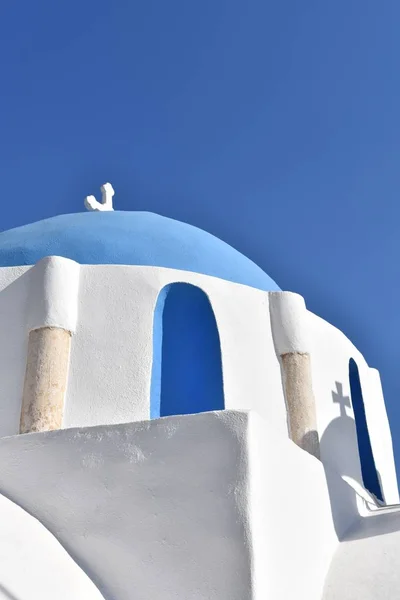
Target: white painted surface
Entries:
(367, 564)
(107, 193)
(330, 355)
(54, 294)
(14, 305)
(111, 357)
(156, 509)
(212, 506)
(33, 564)
(222, 504)
(114, 337)
(289, 322)
(294, 531)
(381, 439)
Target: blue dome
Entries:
(130, 238)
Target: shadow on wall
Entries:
(6, 594)
(345, 449)
(187, 366)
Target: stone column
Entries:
(289, 327)
(45, 379)
(51, 323)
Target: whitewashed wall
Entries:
(33, 563)
(214, 506)
(112, 348)
(225, 500)
(110, 310)
(154, 509)
(330, 356)
(367, 564)
(111, 357)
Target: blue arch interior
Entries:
(130, 238)
(368, 467)
(187, 368)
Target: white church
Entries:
(173, 426)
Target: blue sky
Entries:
(273, 125)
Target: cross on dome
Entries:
(107, 193)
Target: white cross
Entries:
(107, 193)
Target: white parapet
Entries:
(213, 505)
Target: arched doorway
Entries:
(368, 469)
(187, 368)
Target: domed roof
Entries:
(130, 238)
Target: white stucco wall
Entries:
(367, 563)
(111, 353)
(110, 309)
(197, 497)
(33, 564)
(330, 355)
(295, 531)
(214, 506)
(53, 294)
(155, 509)
(14, 306)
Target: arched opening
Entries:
(187, 367)
(368, 469)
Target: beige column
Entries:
(289, 322)
(300, 402)
(51, 320)
(45, 379)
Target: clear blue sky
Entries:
(273, 125)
